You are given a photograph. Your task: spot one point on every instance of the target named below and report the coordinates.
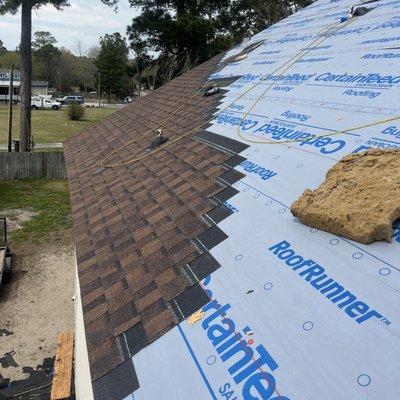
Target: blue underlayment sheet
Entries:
(296, 313)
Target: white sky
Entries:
(84, 20)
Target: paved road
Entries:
(111, 105)
(39, 146)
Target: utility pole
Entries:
(59, 82)
(26, 74)
(99, 88)
(10, 107)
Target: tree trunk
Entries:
(26, 75)
(138, 74)
(180, 7)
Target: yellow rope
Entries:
(261, 141)
(153, 129)
(326, 135)
(321, 37)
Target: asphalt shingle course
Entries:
(134, 225)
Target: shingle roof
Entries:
(295, 311)
(134, 226)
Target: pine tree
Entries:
(26, 6)
(202, 28)
(111, 63)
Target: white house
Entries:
(38, 87)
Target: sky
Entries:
(84, 20)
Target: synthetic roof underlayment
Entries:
(295, 313)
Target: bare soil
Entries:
(17, 217)
(35, 306)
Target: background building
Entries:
(38, 87)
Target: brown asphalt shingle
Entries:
(133, 225)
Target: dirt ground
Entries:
(36, 305)
(17, 217)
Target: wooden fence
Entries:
(49, 165)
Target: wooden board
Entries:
(61, 388)
(2, 262)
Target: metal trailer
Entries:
(6, 257)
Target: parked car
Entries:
(44, 104)
(71, 99)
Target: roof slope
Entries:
(134, 225)
(295, 312)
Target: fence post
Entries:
(10, 107)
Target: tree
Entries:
(252, 16)
(75, 71)
(7, 58)
(93, 52)
(43, 39)
(111, 63)
(46, 55)
(12, 6)
(2, 47)
(66, 70)
(192, 31)
(79, 48)
(180, 26)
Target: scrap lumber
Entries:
(61, 387)
(2, 262)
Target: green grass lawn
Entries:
(50, 126)
(49, 199)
